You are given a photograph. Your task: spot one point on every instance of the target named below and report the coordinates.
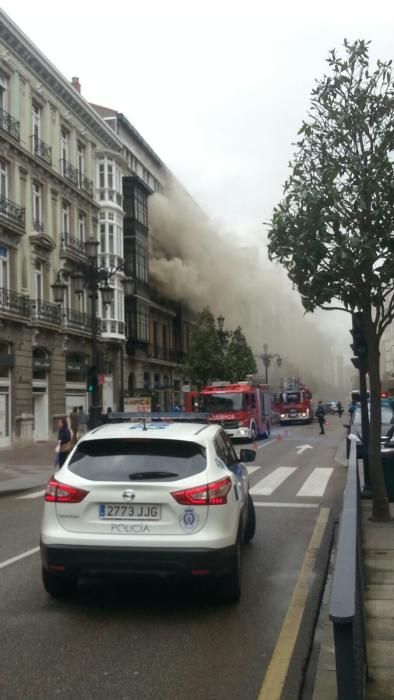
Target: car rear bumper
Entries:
(78, 561)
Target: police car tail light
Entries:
(213, 494)
(56, 492)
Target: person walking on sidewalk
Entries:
(82, 421)
(319, 413)
(64, 446)
(73, 418)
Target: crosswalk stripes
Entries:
(314, 485)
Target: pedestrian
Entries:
(82, 421)
(106, 418)
(64, 446)
(352, 407)
(319, 413)
(340, 409)
(73, 418)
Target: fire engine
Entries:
(242, 408)
(295, 405)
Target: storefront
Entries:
(41, 366)
(76, 395)
(7, 362)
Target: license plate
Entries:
(128, 511)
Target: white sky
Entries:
(217, 87)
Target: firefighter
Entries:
(320, 417)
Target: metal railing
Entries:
(79, 321)
(14, 303)
(69, 172)
(9, 124)
(41, 149)
(38, 226)
(85, 184)
(112, 326)
(347, 595)
(72, 244)
(12, 211)
(45, 311)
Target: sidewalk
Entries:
(378, 555)
(23, 468)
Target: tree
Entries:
(238, 360)
(204, 361)
(333, 229)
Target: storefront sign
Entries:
(140, 404)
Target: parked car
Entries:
(157, 497)
(355, 430)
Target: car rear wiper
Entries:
(151, 475)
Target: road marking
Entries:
(251, 470)
(272, 504)
(301, 448)
(36, 494)
(316, 483)
(265, 444)
(269, 483)
(29, 552)
(279, 665)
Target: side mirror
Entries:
(247, 455)
(346, 426)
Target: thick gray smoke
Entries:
(192, 262)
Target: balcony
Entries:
(112, 327)
(72, 245)
(41, 149)
(10, 125)
(69, 172)
(85, 184)
(12, 212)
(44, 311)
(80, 321)
(14, 303)
(38, 226)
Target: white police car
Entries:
(151, 497)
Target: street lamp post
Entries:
(266, 358)
(222, 334)
(94, 278)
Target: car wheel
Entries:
(250, 528)
(230, 585)
(58, 585)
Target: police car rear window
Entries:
(137, 460)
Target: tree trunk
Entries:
(380, 502)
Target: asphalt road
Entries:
(153, 639)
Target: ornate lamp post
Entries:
(222, 334)
(94, 278)
(266, 357)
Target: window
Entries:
(110, 177)
(37, 207)
(3, 179)
(82, 226)
(81, 163)
(143, 322)
(142, 263)
(66, 217)
(103, 246)
(3, 93)
(38, 281)
(111, 238)
(36, 117)
(64, 143)
(101, 176)
(3, 267)
(141, 208)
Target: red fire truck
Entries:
(243, 408)
(295, 402)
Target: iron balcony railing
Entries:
(80, 320)
(85, 184)
(38, 226)
(163, 353)
(14, 303)
(347, 595)
(41, 149)
(12, 212)
(69, 172)
(44, 311)
(9, 124)
(111, 326)
(70, 244)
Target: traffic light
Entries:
(359, 345)
(92, 380)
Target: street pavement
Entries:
(25, 469)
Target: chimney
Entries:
(76, 84)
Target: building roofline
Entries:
(26, 51)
